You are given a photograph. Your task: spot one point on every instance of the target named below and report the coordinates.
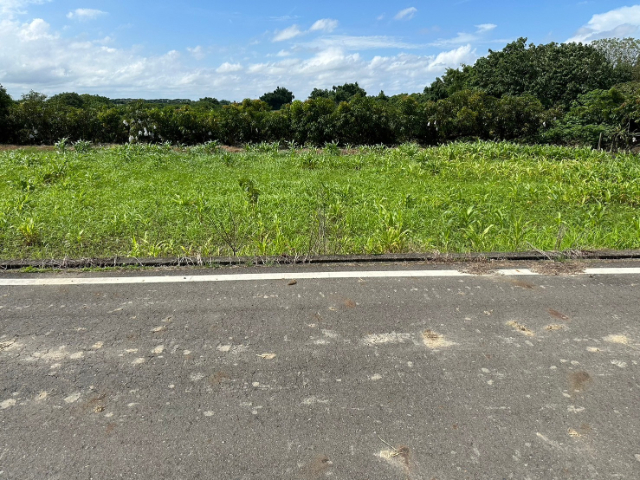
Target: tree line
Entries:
(573, 94)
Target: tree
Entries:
(279, 97)
(348, 91)
(382, 96)
(454, 80)
(208, 103)
(619, 51)
(554, 73)
(623, 54)
(95, 101)
(67, 99)
(5, 105)
(341, 93)
(320, 93)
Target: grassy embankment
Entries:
(155, 201)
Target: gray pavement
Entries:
(483, 377)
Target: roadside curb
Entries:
(321, 259)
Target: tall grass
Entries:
(159, 200)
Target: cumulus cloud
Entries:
(85, 14)
(362, 42)
(287, 34)
(485, 27)
(406, 14)
(464, 37)
(324, 25)
(197, 52)
(34, 56)
(621, 22)
(9, 8)
(227, 67)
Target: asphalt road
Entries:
(479, 377)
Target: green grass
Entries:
(150, 201)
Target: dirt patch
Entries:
(267, 356)
(621, 339)
(558, 315)
(432, 339)
(484, 268)
(558, 268)
(522, 284)
(43, 148)
(398, 457)
(218, 378)
(487, 266)
(553, 327)
(521, 328)
(317, 467)
(349, 303)
(230, 149)
(584, 430)
(579, 381)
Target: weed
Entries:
(82, 146)
(227, 159)
(61, 145)
(209, 148)
(161, 200)
(30, 232)
(251, 191)
(332, 149)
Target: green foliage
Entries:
(457, 197)
(5, 104)
(61, 145)
(452, 81)
(549, 93)
(208, 103)
(279, 97)
(599, 118)
(67, 99)
(622, 53)
(82, 146)
(553, 73)
(341, 93)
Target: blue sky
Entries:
(234, 50)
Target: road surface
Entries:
(432, 376)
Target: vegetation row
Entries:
(567, 94)
(150, 200)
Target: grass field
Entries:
(155, 201)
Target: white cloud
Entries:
(406, 14)
(34, 56)
(227, 67)
(85, 14)
(349, 42)
(463, 37)
(324, 25)
(197, 52)
(621, 22)
(9, 8)
(287, 34)
(486, 27)
(455, 58)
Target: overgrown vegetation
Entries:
(567, 94)
(157, 200)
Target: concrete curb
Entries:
(320, 259)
